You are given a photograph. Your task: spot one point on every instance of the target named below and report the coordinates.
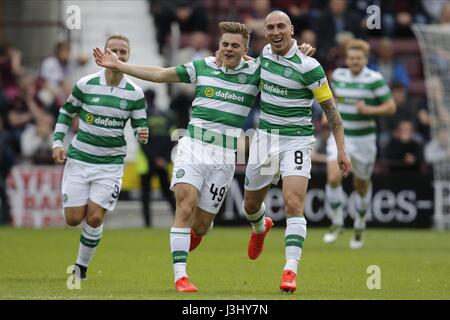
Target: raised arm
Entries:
(335, 122)
(110, 60)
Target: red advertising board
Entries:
(35, 196)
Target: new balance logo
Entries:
(298, 167)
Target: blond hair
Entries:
(118, 37)
(236, 28)
(358, 44)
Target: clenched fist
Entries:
(59, 155)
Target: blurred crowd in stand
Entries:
(404, 140)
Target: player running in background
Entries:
(93, 171)
(289, 82)
(362, 95)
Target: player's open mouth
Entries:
(229, 56)
(277, 41)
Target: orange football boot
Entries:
(184, 285)
(256, 243)
(288, 283)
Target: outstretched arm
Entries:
(337, 128)
(110, 60)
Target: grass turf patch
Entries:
(136, 264)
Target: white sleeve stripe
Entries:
(138, 114)
(74, 101)
(191, 71)
(61, 127)
(382, 91)
(318, 83)
(64, 111)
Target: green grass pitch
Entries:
(136, 264)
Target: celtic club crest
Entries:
(288, 72)
(242, 78)
(180, 173)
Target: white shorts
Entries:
(204, 167)
(361, 150)
(99, 183)
(272, 156)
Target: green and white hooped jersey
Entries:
(103, 111)
(289, 84)
(369, 86)
(223, 98)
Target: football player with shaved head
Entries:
(290, 80)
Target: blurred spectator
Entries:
(444, 17)
(158, 155)
(308, 36)
(438, 149)
(7, 160)
(433, 9)
(337, 54)
(392, 70)
(198, 49)
(256, 19)
(387, 16)
(405, 111)
(37, 139)
(10, 69)
(3, 107)
(22, 110)
(423, 120)
(183, 94)
(402, 152)
(298, 11)
(335, 19)
(155, 9)
(257, 44)
(57, 72)
(188, 14)
(360, 6)
(405, 13)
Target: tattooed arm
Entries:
(337, 128)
